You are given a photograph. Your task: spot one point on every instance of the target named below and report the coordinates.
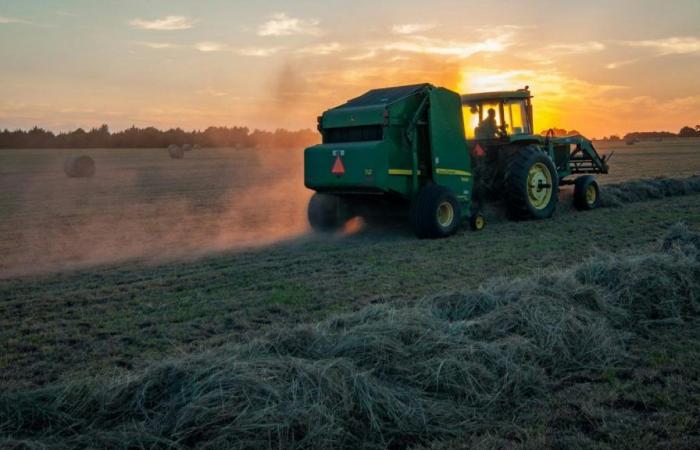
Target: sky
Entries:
(599, 67)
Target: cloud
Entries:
(576, 48)
(668, 46)
(259, 52)
(209, 46)
(424, 45)
(158, 45)
(618, 64)
(321, 49)
(9, 20)
(168, 23)
(280, 24)
(411, 28)
(212, 92)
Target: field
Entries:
(154, 259)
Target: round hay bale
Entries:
(81, 166)
(176, 152)
(187, 147)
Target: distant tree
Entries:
(689, 132)
(648, 135)
(236, 137)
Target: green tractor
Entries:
(427, 151)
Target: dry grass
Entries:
(640, 190)
(385, 376)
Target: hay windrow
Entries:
(385, 375)
(613, 195)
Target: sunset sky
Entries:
(601, 67)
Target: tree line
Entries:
(237, 137)
(635, 135)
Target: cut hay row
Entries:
(613, 195)
(385, 376)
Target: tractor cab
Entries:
(497, 115)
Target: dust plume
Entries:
(143, 205)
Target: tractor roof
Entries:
(384, 96)
(500, 95)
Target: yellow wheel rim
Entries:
(591, 194)
(445, 214)
(539, 186)
(479, 223)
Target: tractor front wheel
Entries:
(435, 212)
(586, 193)
(532, 184)
(325, 212)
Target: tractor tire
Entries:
(586, 193)
(325, 212)
(531, 185)
(435, 212)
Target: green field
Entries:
(156, 258)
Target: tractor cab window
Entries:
(515, 113)
(482, 120)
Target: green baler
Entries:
(405, 149)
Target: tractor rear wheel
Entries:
(586, 193)
(435, 212)
(531, 184)
(325, 212)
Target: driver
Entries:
(488, 128)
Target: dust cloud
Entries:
(142, 205)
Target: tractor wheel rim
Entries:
(479, 223)
(445, 214)
(539, 186)
(591, 194)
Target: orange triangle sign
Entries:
(478, 151)
(338, 167)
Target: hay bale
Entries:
(187, 147)
(176, 152)
(81, 166)
(196, 147)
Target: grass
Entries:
(110, 318)
(386, 376)
(125, 318)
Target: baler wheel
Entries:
(435, 212)
(586, 193)
(477, 222)
(325, 212)
(531, 184)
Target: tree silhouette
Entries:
(150, 137)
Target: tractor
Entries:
(438, 156)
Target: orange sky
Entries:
(194, 63)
